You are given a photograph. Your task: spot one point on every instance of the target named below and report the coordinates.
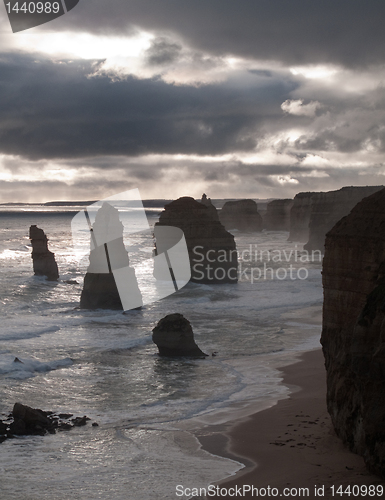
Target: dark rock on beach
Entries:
(174, 337)
(353, 334)
(44, 263)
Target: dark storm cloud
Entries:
(347, 32)
(162, 51)
(56, 110)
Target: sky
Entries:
(234, 98)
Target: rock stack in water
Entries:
(277, 216)
(44, 263)
(353, 334)
(300, 217)
(174, 337)
(208, 203)
(328, 208)
(242, 215)
(110, 282)
(212, 250)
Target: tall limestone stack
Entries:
(300, 217)
(328, 208)
(353, 334)
(44, 263)
(208, 203)
(212, 250)
(110, 282)
(242, 215)
(277, 217)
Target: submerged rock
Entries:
(109, 263)
(277, 217)
(242, 215)
(174, 337)
(44, 263)
(212, 251)
(353, 333)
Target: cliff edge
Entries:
(353, 334)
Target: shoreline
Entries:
(295, 446)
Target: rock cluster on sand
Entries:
(108, 255)
(174, 337)
(242, 215)
(24, 421)
(212, 250)
(353, 335)
(326, 209)
(277, 217)
(44, 263)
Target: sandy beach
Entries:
(291, 447)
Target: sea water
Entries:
(103, 364)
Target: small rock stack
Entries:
(44, 263)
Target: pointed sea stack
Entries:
(353, 332)
(110, 282)
(241, 215)
(212, 250)
(174, 337)
(44, 263)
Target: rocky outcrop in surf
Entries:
(174, 337)
(44, 263)
(353, 333)
(241, 215)
(277, 217)
(110, 282)
(328, 208)
(27, 421)
(211, 249)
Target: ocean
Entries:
(103, 364)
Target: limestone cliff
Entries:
(44, 263)
(328, 208)
(300, 217)
(242, 215)
(209, 204)
(110, 282)
(353, 334)
(212, 250)
(277, 217)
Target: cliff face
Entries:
(44, 263)
(242, 215)
(300, 217)
(110, 282)
(353, 334)
(212, 250)
(277, 217)
(328, 208)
